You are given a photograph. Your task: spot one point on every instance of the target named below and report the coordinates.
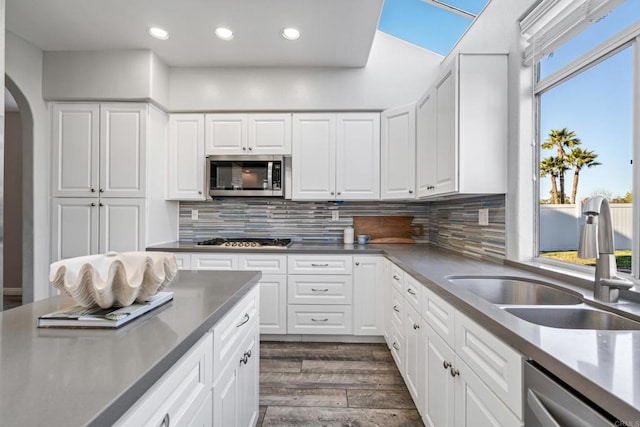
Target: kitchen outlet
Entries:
(335, 215)
(194, 214)
(483, 216)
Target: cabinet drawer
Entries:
(268, 264)
(397, 278)
(320, 319)
(183, 260)
(412, 291)
(179, 394)
(233, 328)
(397, 310)
(319, 264)
(214, 262)
(397, 346)
(438, 314)
(497, 364)
(320, 289)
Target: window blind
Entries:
(553, 22)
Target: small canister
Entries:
(348, 236)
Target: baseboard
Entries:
(12, 291)
(374, 339)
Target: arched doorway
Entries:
(17, 205)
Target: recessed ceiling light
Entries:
(158, 33)
(224, 33)
(290, 34)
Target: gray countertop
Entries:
(76, 377)
(602, 365)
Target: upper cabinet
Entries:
(185, 159)
(398, 148)
(462, 129)
(336, 156)
(246, 134)
(99, 150)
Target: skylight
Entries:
(436, 25)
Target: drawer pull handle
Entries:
(245, 320)
(319, 320)
(165, 421)
(416, 326)
(249, 353)
(395, 308)
(396, 277)
(396, 346)
(244, 359)
(446, 364)
(319, 290)
(454, 372)
(411, 291)
(319, 265)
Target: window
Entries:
(585, 125)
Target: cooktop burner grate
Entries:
(246, 243)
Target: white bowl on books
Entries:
(113, 279)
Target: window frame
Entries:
(627, 38)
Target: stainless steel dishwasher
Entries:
(551, 404)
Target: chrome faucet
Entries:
(596, 241)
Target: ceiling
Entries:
(334, 33)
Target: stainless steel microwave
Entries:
(245, 176)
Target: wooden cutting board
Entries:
(387, 229)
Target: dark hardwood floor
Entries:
(332, 384)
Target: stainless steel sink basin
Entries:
(504, 290)
(573, 318)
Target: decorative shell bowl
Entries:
(113, 279)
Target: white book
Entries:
(96, 317)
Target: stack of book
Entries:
(96, 317)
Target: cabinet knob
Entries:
(92, 204)
(199, 192)
(101, 190)
(165, 421)
(396, 277)
(446, 364)
(396, 346)
(93, 190)
(250, 148)
(411, 291)
(101, 204)
(332, 193)
(415, 326)
(244, 148)
(339, 193)
(410, 191)
(454, 372)
(357, 263)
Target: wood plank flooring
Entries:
(332, 384)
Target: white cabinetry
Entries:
(368, 295)
(461, 119)
(398, 148)
(185, 157)
(233, 134)
(336, 156)
(101, 182)
(320, 294)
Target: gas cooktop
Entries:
(243, 243)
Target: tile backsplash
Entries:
(451, 224)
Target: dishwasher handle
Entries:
(539, 410)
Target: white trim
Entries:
(635, 236)
(450, 8)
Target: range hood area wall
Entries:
(451, 224)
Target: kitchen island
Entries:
(77, 377)
(600, 364)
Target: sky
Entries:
(596, 105)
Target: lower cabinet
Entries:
(412, 359)
(368, 295)
(436, 402)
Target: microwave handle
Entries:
(270, 175)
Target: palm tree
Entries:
(579, 158)
(561, 140)
(551, 166)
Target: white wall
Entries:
(397, 74)
(24, 68)
(124, 75)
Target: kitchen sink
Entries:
(573, 318)
(504, 290)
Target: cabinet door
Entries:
(358, 156)
(412, 368)
(398, 148)
(123, 150)
(386, 296)
(425, 143)
(226, 134)
(186, 159)
(476, 405)
(273, 304)
(75, 140)
(436, 385)
(313, 157)
(445, 150)
(122, 223)
(269, 134)
(249, 380)
(204, 416)
(226, 396)
(368, 296)
(75, 227)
